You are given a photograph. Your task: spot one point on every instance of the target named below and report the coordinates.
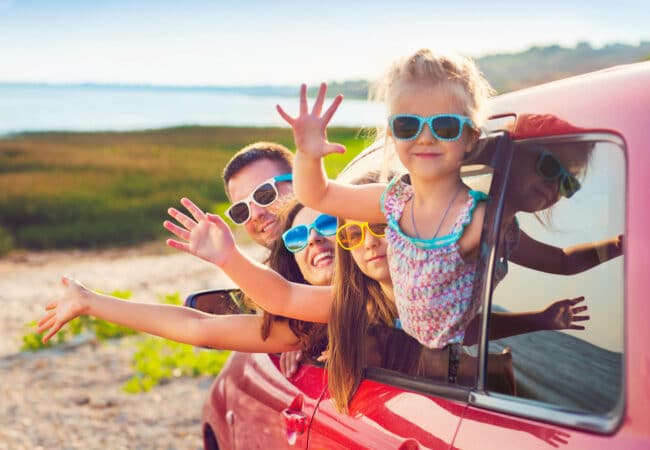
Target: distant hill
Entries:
(512, 71)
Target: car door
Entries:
(389, 414)
(568, 382)
(264, 408)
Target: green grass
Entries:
(157, 360)
(62, 190)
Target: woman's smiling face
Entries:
(316, 261)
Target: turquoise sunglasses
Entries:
(296, 238)
(550, 168)
(444, 127)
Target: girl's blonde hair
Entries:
(459, 73)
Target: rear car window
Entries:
(570, 368)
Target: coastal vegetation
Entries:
(83, 190)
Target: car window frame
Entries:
(531, 409)
(499, 162)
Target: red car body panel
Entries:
(384, 416)
(255, 393)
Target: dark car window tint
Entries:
(567, 193)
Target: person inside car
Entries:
(364, 306)
(255, 178)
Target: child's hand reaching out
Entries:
(207, 236)
(563, 315)
(310, 129)
(72, 304)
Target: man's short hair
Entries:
(256, 152)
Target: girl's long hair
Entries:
(358, 303)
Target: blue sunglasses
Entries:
(296, 238)
(550, 169)
(444, 127)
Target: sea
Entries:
(25, 108)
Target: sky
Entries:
(201, 42)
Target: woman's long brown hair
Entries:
(281, 260)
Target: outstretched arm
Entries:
(565, 261)
(178, 323)
(559, 315)
(208, 237)
(310, 183)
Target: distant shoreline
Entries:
(354, 90)
(171, 128)
(74, 107)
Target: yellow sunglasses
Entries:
(352, 234)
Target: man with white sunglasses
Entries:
(247, 177)
(255, 178)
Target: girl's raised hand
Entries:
(72, 304)
(206, 236)
(310, 128)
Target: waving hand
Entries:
(310, 128)
(206, 235)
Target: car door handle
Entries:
(295, 421)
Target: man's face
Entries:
(263, 226)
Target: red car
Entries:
(576, 388)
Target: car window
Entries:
(391, 354)
(568, 198)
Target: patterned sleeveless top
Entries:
(431, 282)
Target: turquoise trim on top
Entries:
(388, 187)
(284, 177)
(442, 241)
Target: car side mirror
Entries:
(219, 301)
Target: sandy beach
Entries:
(70, 397)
